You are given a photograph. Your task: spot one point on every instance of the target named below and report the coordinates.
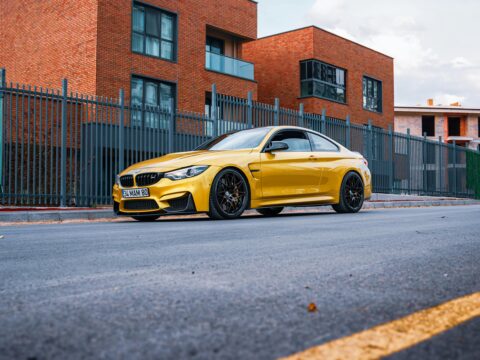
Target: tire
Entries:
(147, 218)
(351, 194)
(273, 211)
(229, 195)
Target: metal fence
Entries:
(62, 148)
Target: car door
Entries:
(327, 157)
(292, 172)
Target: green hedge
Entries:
(473, 172)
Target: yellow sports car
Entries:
(264, 169)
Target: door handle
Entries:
(312, 158)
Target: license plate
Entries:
(135, 193)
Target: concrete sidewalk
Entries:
(378, 201)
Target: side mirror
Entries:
(276, 146)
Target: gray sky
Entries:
(435, 43)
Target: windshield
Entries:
(245, 139)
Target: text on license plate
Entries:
(135, 193)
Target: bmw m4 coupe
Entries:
(264, 169)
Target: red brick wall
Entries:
(116, 63)
(42, 42)
(277, 71)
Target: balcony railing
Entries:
(230, 66)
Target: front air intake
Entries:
(140, 205)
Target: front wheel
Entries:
(351, 194)
(147, 218)
(229, 195)
(273, 211)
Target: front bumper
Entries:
(168, 197)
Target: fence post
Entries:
(370, 142)
(348, 132)
(440, 185)
(63, 153)
(392, 149)
(213, 112)
(2, 86)
(301, 114)
(249, 110)
(455, 168)
(121, 131)
(409, 189)
(171, 127)
(276, 115)
(323, 121)
(424, 158)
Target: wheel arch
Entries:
(344, 174)
(245, 177)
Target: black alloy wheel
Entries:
(351, 194)
(273, 211)
(229, 195)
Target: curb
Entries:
(418, 203)
(107, 214)
(58, 215)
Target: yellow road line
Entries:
(388, 338)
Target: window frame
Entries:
(428, 116)
(314, 80)
(210, 38)
(449, 126)
(380, 82)
(270, 139)
(158, 82)
(324, 138)
(306, 132)
(174, 40)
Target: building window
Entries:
(217, 47)
(453, 126)
(153, 32)
(428, 125)
(322, 80)
(151, 102)
(214, 45)
(478, 125)
(372, 94)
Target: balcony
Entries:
(230, 66)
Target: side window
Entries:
(297, 140)
(321, 144)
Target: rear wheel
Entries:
(147, 218)
(351, 194)
(273, 211)
(229, 195)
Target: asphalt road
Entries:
(201, 289)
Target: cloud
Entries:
(447, 99)
(403, 30)
(460, 62)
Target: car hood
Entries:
(175, 161)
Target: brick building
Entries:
(154, 49)
(452, 123)
(324, 71)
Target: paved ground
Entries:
(239, 289)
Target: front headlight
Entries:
(117, 180)
(186, 172)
